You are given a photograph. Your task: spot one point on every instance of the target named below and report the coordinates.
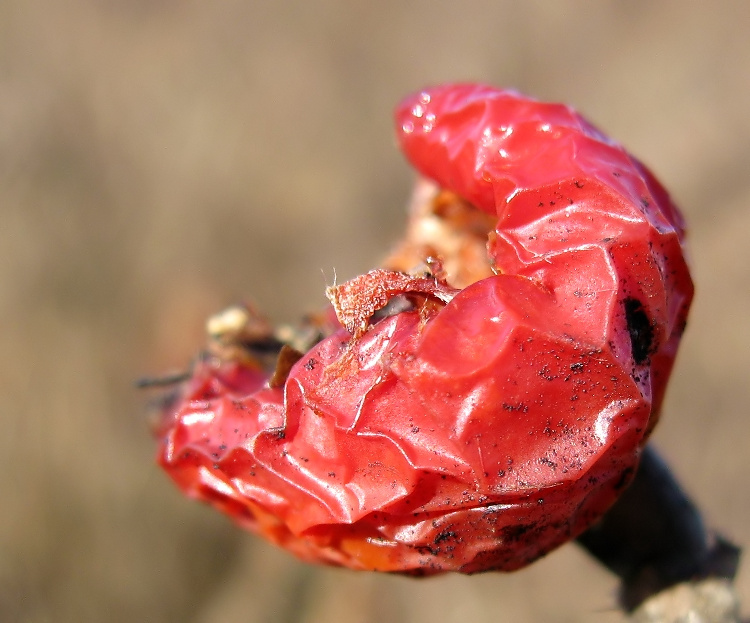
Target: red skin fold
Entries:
(487, 425)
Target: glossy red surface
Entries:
(488, 425)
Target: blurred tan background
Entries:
(160, 160)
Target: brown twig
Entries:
(672, 568)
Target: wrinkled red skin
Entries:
(480, 433)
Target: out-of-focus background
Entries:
(160, 160)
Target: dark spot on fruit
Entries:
(514, 533)
(624, 478)
(640, 330)
(550, 463)
(426, 549)
(444, 536)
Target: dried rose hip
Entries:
(484, 398)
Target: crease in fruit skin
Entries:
(481, 427)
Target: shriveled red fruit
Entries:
(496, 406)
